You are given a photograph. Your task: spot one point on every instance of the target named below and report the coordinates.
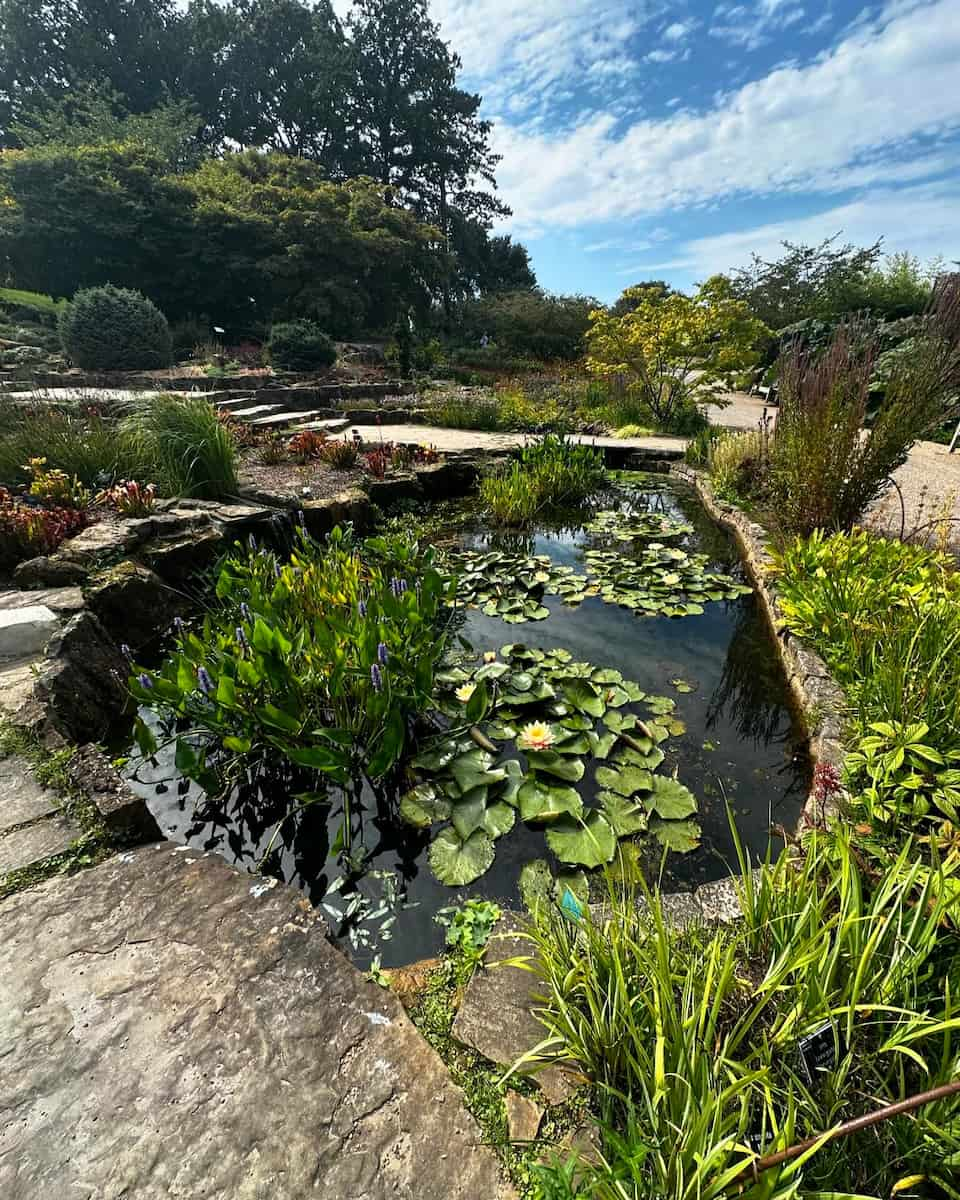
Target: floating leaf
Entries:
(556, 764)
(606, 675)
(583, 696)
(636, 758)
(515, 778)
(679, 836)
(626, 817)
(546, 802)
(602, 744)
(625, 780)
(474, 769)
(682, 685)
(536, 884)
(660, 705)
(587, 843)
(498, 819)
(619, 721)
(466, 813)
(456, 861)
(670, 799)
(577, 744)
(423, 805)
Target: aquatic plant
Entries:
(324, 658)
(560, 716)
(547, 473)
(626, 526)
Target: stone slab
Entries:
(173, 1028)
(495, 1018)
(278, 420)
(254, 410)
(22, 799)
(24, 848)
(59, 600)
(328, 425)
(17, 678)
(25, 630)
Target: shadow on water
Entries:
(740, 746)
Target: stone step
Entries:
(330, 425)
(255, 410)
(235, 401)
(31, 826)
(278, 420)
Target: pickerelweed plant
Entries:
(326, 658)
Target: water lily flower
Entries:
(538, 735)
(465, 692)
(145, 682)
(376, 678)
(490, 656)
(204, 680)
(383, 654)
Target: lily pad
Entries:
(682, 685)
(536, 884)
(467, 812)
(556, 764)
(626, 817)
(679, 836)
(475, 769)
(626, 780)
(498, 819)
(583, 696)
(423, 805)
(670, 799)
(587, 843)
(456, 861)
(547, 802)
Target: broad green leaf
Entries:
(423, 805)
(602, 744)
(390, 746)
(478, 703)
(226, 691)
(498, 819)
(635, 758)
(475, 768)
(466, 813)
(512, 783)
(625, 780)
(583, 696)
(546, 802)
(670, 799)
(456, 862)
(276, 718)
(577, 744)
(536, 884)
(492, 670)
(626, 817)
(679, 836)
(587, 843)
(555, 764)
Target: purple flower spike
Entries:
(204, 680)
(145, 682)
(178, 623)
(362, 608)
(252, 542)
(376, 678)
(276, 568)
(245, 610)
(125, 650)
(383, 654)
(242, 637)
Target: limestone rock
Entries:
(205, 1039)
(31, 845)
(179, 560)
(55, 572)
(26, 630)
(133, 604)
(320, 516)
(63, 600)
(124, 813)
(81, 683)
(386, 492)
(446, 480)
(523, 1117)
(22, 799)
(103, 540)
(496, 1017)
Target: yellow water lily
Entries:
(538, 735)
(490, 656)
(465, 692)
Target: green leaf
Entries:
(239, 745)
(478, 703)
(679, 836)
(583, 696)
(606, 675)
(262, 636)
(603, 744)
(546, 802)
(619, 722)
(536, 884)
(625, 780)
(513, 782)
(498, 819)
(390, 746)
(438, 758)
(185, 758)
(491, 671)
(423, 805)
(276, 718)
(636, 758)
(555, 764)
(578, 744)
(146, 742)
(587, 843)
(456, 862)
(670, 799)
(626, 817)
(315, 758)
(226, 691)
(475, 769)
(467, 812)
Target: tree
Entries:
(675, 350)
(629, 298)
(806, 281)
(530, 322)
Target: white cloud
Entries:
(920, 218)
(678, 30)
(853, 118)
(660, 56)
(752, 27)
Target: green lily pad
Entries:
(636, 758)
(577, 744)
(625, 780)
(492, 670)
(606, 675)
(536, 884)
(556, 764)
(583, 696)
(660, 705)
(602, 744)
(682, 685)
(670, 799)
(577, 722)
(547, 802)
(514, 779)
(467, 812)
(456, 861)
(626, 817)
(679, 836)
(498, 819)
(618, 721)
(587, 843)
(423, 805)
(475, 769)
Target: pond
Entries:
(732, 739)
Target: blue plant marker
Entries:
(570, 906)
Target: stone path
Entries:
(467, 440)
(173, 1028)
(31, 826)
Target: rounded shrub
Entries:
(300, 345)
(114, 329)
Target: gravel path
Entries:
(930, 484)
(464, 440)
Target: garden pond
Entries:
(633, 611)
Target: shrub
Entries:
(465, 410)
(824, 468)
(341, 454)
(114, 329)
(300, 345)
(738, 464)
(27, 530)
(189, 450)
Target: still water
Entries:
(740, 746)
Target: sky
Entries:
(643, 139)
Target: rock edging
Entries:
(820, 700)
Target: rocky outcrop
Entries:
(79, 688)
(52, 572)
(448, 479)
(123, 812)
(133, 604)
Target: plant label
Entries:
(818, 1051)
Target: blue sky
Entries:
(667, 140)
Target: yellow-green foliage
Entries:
(663, 339)
(730, 457)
